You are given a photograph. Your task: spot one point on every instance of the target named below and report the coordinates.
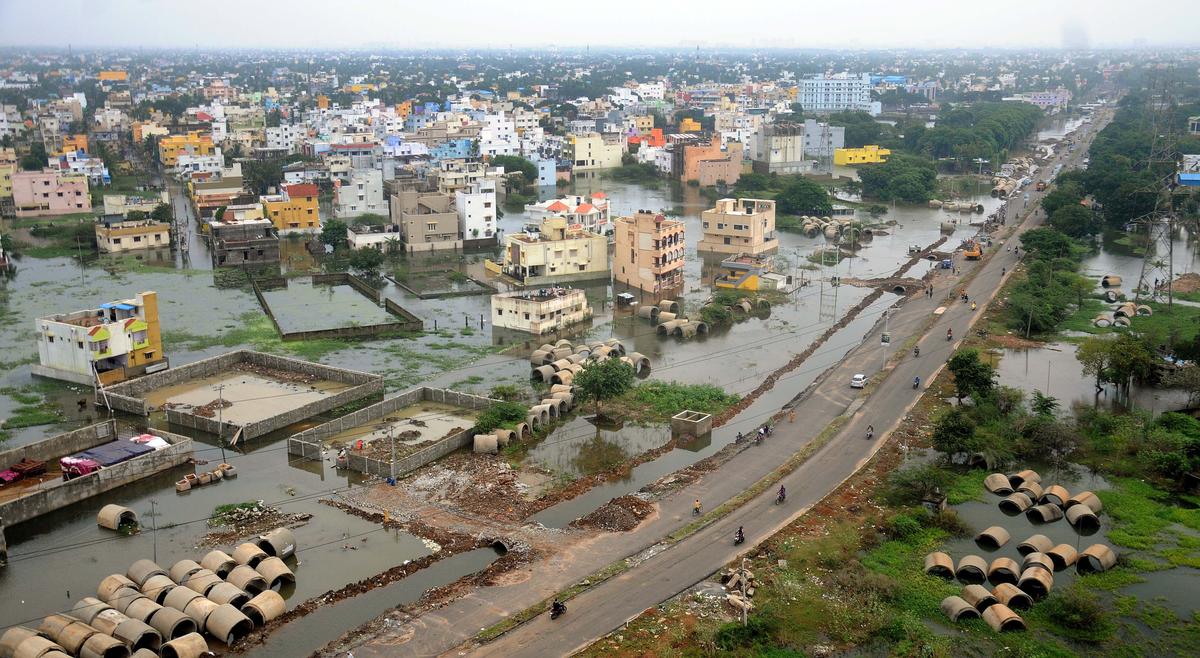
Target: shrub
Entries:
(1079, 613)
(500, 414)
(716, 316)
(950, 521)
(759, 631)
(902, 526)
(507, 392)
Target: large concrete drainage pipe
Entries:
(199, 609)
(542, 412)
(1015, 503)
(562, 352)
(971, 570)
(228, 624)
(275, 572)
(36, 647)
(1004, 570)
(957, 609)
(503, 437)
(123, 598)
(666, 317)
(670, 306)
(539, 358)
(143, 610)
(1012, 596)
(992, 538)
(483, 444)
(939, 564)
(1096, 558)
(85, 610)
(561, 364)
(998, 484)
(1021, 477)
(641, 364)
(1038, 560)
(544, 373)
(184, 568)
(558, 406)
(1036, 583)
(978, 596)
(13, 637)
(1086, 498)
(1062, 556)
(1035, 544)
(1044, 513)
(263, 608)
(103, 646)
(224, 592)
(191, 645)
(113, 583)
(139, 571)
(1031, 489)
(1083, 520)
(616, 345)
(114, 517)
(133, 633)
(1055, 495)
(180, 597)
(562, 377)
(522, 431)
(246, 578)
(534, 422)
(248, 554)
(201, 581)
(687, 330)
(648, 312)
(280, 543)
(218, 562)
(1001, 619)
(172, 624)
(67, 632)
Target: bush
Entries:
(500, 415)
(1079, 613)
(666, 399)
(902, 526)
(951, 522)
(759, 631)
(716, 316)
(506, 392)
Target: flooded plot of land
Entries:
(580, 448)
(248, 397)
(305, 306)
(412, 427)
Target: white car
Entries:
(858, 381)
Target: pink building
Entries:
(49, 192)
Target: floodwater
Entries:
(580, 448)
(305, 306)
(250, 397)
(311, 632)
(430, 421)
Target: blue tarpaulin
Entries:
(114, 452)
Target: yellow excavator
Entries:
(972, 250)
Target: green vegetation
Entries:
(253, 329)
(902, 178)
(516, 164)
(223, 514)
(333, 232)
(366, 261)
(34, 408)
(602, 381)
(980, 130)
(644, 174)
(665, 399)
(504, 415)
(1050, 290)
(506, 392)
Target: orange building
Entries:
(649, 252)
(114, 76)
(295, 209)
(655, 138)
(73, 143)
(708, 164)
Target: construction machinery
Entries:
(972, 249)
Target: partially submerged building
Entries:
(427, 218)
(555, 254)
(751, 272)
(737, 226)
(239, 242)
(649, 252)
(582, 212)
(111, 343)
(116, 234)
(540, 311)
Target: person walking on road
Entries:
(696, 508)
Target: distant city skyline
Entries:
(398, 25)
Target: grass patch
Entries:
(223, 514)
(34, 408)
(658, 400)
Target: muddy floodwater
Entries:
(248, 397)
(305, 306)
(411, 426)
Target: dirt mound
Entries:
(1189, 282)
(620, 514)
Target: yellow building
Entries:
(689, 125)
(6, 174)
(868, 154)
(744, 272)
(144, 129)
(296, 209)
(555, 254)
(73, 143)
(323, 102)
(115, 234)
(404, 109)
(114, 76)
(193, 143)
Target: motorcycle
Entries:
(740, 538)
(916, 352)
(557, 610)
(949, 335)
(779, 499)
(916, 382)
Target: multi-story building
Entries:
(1050, 101)
(498, 136)
(173, 146)
(837, 93)
(294, 209)
(361, 192)
(868, 154)
(589, 151)
(540, 311)
(586, 213)
(116, 234)
(10, 121)
(112, 343)
(747, 272)
(427, 218)
(555, 254)
(708, 164)
(6, 189)
(791, 148)
(285, 137)
(649, 252)
(49, 192)
(476, 206)
(369, 236)
(739, 226)
(243, 241)
(123, 204)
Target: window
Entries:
(431, 226)
(50, 338)
(526, 316)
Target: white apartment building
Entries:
(10, 121)
(498, 136)
(361, 193)
(477, 212)
(648, 91)
(286, 136)
(787, 148)
(836, 93)
(186, 165)
(540, 311)
(524, 120)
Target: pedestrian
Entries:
(791, 415)
(1002, 271)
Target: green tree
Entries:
(954, 433)
(500, 415)
(366, 261)
(35, 160)
(972, 376)
(1074, 220)
(162, 213)
(901, 178)
(804, 197)
(603, 380)
(515, 163)
(333, 233)
(1131, 361)
(370, 219)
(1044, 405)
(1095, 355)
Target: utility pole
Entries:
(742, 582)
(221, 420)
(154, 525)
(392, 441)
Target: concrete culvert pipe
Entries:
(616, 345)
(184, 568)
(201, 581)
(249, 555)
(1004, 570)
(139, 571)
(641, 364)
(546, 347)
(191, 645)
(522, 431)
(223, 592)
(503, 437)
(1031, 489)
(701, 327)
(143, 610)
(1096, 558)
(245, 578)
(1015, 503)
(275, 572)
(971, 569)
(12, 638)
(1086, 498)
(602, 352)
(1063, 556)
(108, 621)
(534, 422)
(562, 342)
(482, 444)
(998, 484)
(1002, 619)
(1126, 310)
(1102, 320)
(560, 353)
(138, 635)
(1121, 322)
(939, 564)
(113, 583)
(544, 373)
(1112, 296)
(1144, 310)
(568, 399)
(992, 538)
(561, 364)
(280, 543)
(144, 653)
(538, 358)
(199, 609)
(35, 647)
(172, 623)
(1055, 495)
(1037, 560)
(688, 330)
(648, 312)
(1110, 281)
(227, 624)
(670, 306)
(559, 388)
(264, 607)
(180, 597)
(745, 306)
(1035, 544)
(542, 411)
(957, 609)
(114, 516)
(218, 562)
(1036, 583)
(122, 598)
(666, 317)
(557, 407)
(1044, 513)
(1083, 520)
(666, 328)
(1021, 477)
(156, 587)
(577, 359)
(86, 609)
(67, 632)
(978, 596)
(562, 377)
(1012, 596)
(103, 646)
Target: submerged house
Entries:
(112, 343)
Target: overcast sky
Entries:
(575, 23)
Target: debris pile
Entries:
(620, 514)
(740, 586)
(247, 521)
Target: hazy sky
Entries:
(576, 23)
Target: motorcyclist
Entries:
(870, 431)
(949, 334)
(739, 438)
(782, 493)
(916, 381)
(974, 306)
(917, 351)
(557, 608)
(740, 537)
(696, 507)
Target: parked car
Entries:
(858, 381)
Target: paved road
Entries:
(606, 607)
